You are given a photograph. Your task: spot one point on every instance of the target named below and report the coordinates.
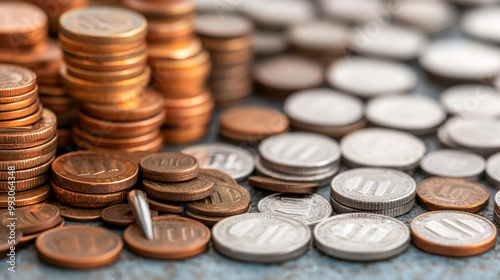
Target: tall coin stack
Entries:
(28, 139)
(106, 54)
(180, 67)
(229, 40)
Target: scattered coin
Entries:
(210, 221)
(453, 163)
(198, 188)
(217, 175)
(75, 214)
(481, 136)
(34, 236)
(121, 215)
(497, 203)
(482, 23)
(276, 185)
(352, 11)
(279, 14)
(169, 167)
(33, 219)
(471, 100)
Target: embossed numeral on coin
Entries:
(88, 167)
(174, 234)
(260, 234)
(456, 194)
(371, 187)
(454, 228)
(362, 233)
(294, 206)
(223, 195)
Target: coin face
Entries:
(260, 237)
(309, 209)
(230, 159)
(453, 233)
(16, 80)
(361, 237)
(482, 23)
(476, 133)
(32, 219)
(471, 100)
(428, 15)
(373, 188)
(446, 193)
(169, 167)
(226, 199)
(453, 163)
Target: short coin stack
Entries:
(373, 190)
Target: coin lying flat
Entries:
(210, 221)
(482, 23)
(198, 188)
(276, 185)
(353, 11)
(260, 237)
(453, 233)
(453, 163)
(85, 200)
(28, 197)
(361, 237)
(33, 219)
(447, 193)
(471, 100)
(309, 209)
(217, 175)
(169, 167)
(121, 215)
(279, 14)
(17, 80)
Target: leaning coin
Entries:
(260, 237)
(361, 237)
(169, 167)
(453, 233)
(32, 219)
(453, 163)
(121, 215)
(308, 209)
(165, 207)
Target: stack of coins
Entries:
(88, 179)
(54, 10)
(105, 52)
(497, 208)
(373, 190)
(28, 138)
(229, 41)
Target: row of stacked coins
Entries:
(106, 54)
(28, 138)
(180, 67)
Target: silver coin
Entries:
(413, 113)
(278, 14)
(471, 100)
(497, 202)
(428, 15)
(261, 237)
(378, 147)
(480, 134)
(373, 188)
(453, 163)
(308, 209)
(379, 77)
(442, 132)
(482, 23)
(353, 11)
(361, 237)
(324, 107)
(390, 212)
(269, 43)
(493, 169)
(232, 160)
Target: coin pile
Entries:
(373, 190)
(228, 39)
(54, 10)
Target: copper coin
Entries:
(448, 193)
(217, 175)
(169, 167)
(91, 172)
(165, 206)
(158, 52)
(121, 215)
(154, 146)
(27, 163)
(174, 238)
(33, 219)
(184, 135)
(136, 156)
(24, 121)
(18, 105)
(105, 77)
(34, 236)
(97, 140)
(275, 185)
(16, 80)
(226, 199)
(191, 190)
(24, 185)
(76, 214)
(79, 247)
(27, 173)
(22, 23)
(84, 200)
(211, 220)
(49, 57)
(9, 238)
(31, 152)
(17, 98)
(26, 198)
(95, 48)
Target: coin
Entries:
(210, 221)
(32, 219)
(471, 100)
(453, 233)
(17, 98)
(380, 77)
(22, 24)
(169, 167)
(497, 202)
(24, 185)
(481, 23)
(174, 238)
(275, 185)
(261, 237)
(226, 199)
(447, 193)
(91, 172)
(269, 43)
(175, 10)
(26, 198)
(27, 163)
(478, 135)
(24, 121)
(228, 27)
(27, 153)
(121, 215)
(361, 237)
(79, 247)
(16, 114)
(493, 170)
(75, 214)
(230, 159)
(34, 236)
(18, 105)
(453, 163)
(321, 37)
(352, 11)
(428, 15)
(217, 175)
(279, 14)
(162, 206)
(198, 188)
(27, 173)
(16, 80)
(84, 200)
(391, 212)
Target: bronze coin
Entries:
(85, 200)
(31, 152)
(12, 106)
(121, 215)
(184, 135)
(27, 173)
(76, 214)
(227, 27)
(211, 220)
(174, 238)
(34, 236)
(97, 173)
(158, 52)
(23, 23)
(26, 198)
(226, 199)
(275, 185)
(16, 80)
(217, 175)
(16, 114)
(191, 190)
(24, 185)
(24, 121)
(17, 98)
(8, 239)
(448, 193)
(105, 77)
(154, 146)
(79, 247)
(165, 207)
(169, 167)
(32, 219)
(170, 10)
(27, 163)
(97, 140)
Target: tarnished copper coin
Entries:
(91, 172)
(174, 238)
(121, 215)
(276, 185)
(211, 220)
(169, 167)
(198, 188)
(165, 207)
(32, 219)
(76, 214)
(79, 247)
(34, 236)
(23, 185)
(27, 173)
(217, 175)
(16, 80)
(448, 193)
(226, 199)
(26, 198)
(85, 200)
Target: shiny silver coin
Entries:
(412, 113)
(480, 135)
(493, 169)
(261, 237)
(378, 147)
(232, 160)
(308, 209)
(373, 188)
(324, 107)
(390, 212)
(453, 163)
(497, 202)
(430, 16)
(471, 100)
(361, 237)
(482, 23)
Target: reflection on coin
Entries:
(309, 209)
(482, 23)
(453, 163)
(229, 159)
(361, 237)
(471, 100)
(260, 237)
(493, 169)
(453, 233)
